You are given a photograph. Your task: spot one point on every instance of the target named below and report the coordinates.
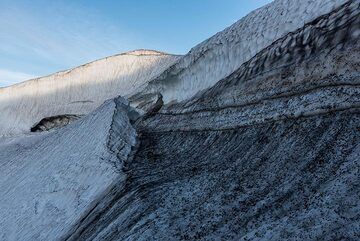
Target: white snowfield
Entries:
(50, 180)
(77, 91)
(223, 53)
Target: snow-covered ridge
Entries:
(140, 52)
(78, 91)
(49, 181)
(223, 53)
(308, 72)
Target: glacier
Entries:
(261, 145)
(222, 54)
(77, 91)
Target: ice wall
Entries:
(77, 91)
(223, 53)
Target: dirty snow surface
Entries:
(270, 151)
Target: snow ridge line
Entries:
(222, 54)
(318, 78)
(122, 144)
(335, 29)
(122, 137)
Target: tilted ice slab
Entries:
(223, 53)
(51, 180)
(77, 91)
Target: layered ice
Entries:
(223, 53)
(270, 152)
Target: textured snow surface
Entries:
(77, 91)
(271, 152)
(49, 181)
(223, 53)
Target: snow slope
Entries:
(270, 152)
(79, 90)
(50, 180)
(223, 53)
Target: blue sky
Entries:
(39, 37)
